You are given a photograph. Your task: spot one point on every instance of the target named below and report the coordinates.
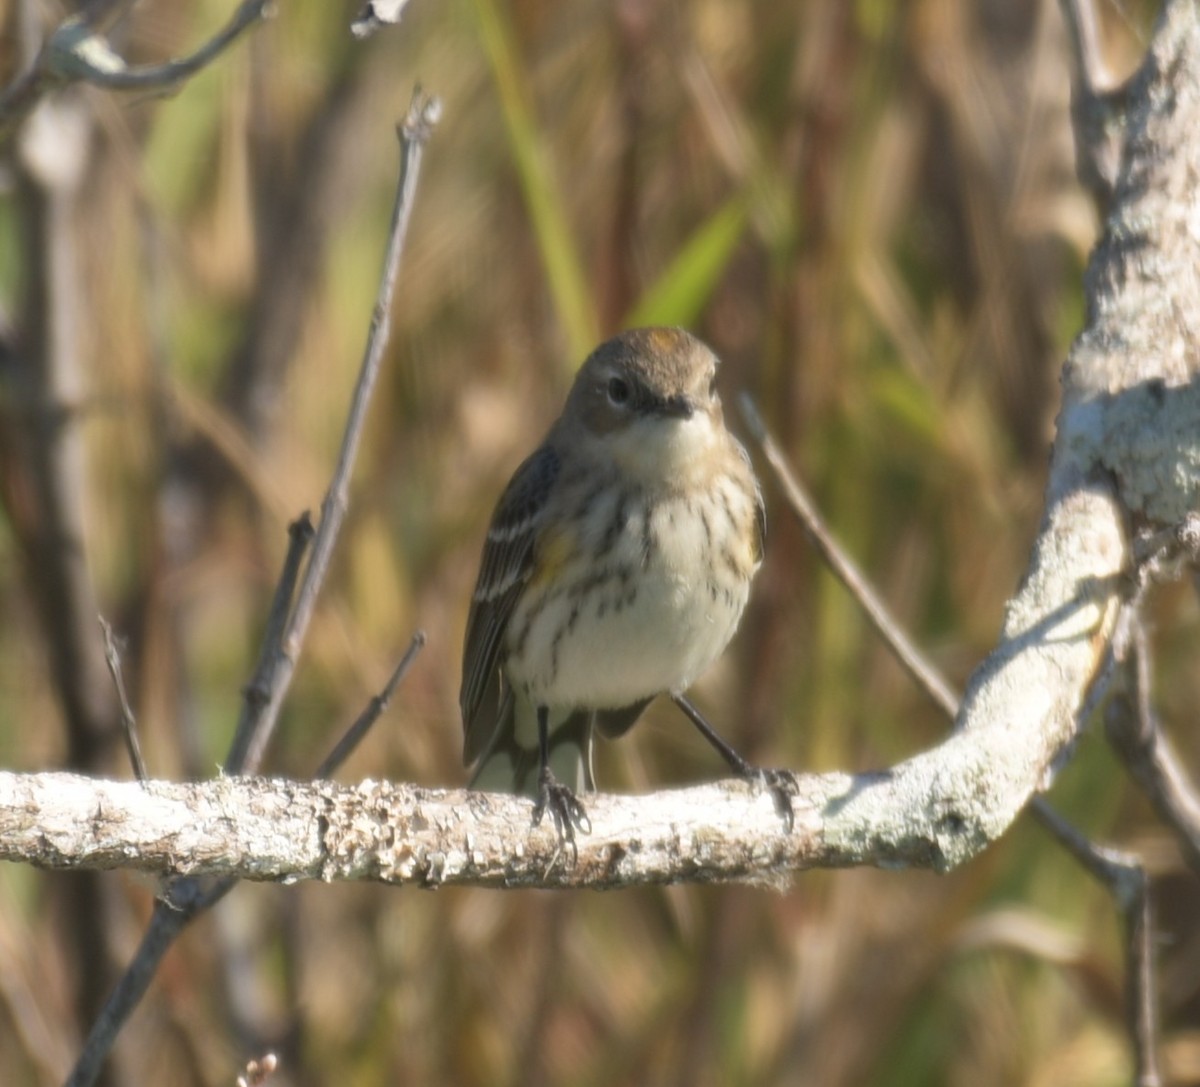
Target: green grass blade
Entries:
(568, 285)
(687, 283)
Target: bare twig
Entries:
(1097, 105)
(1131, 723)
(78, 52)
(256, 693)
(169, 919)
(847, 571)
(423, 114)
(1124, 875)
(112, 657)
(186, 898)
(1084, 31)
(46, 381)
(1133, 729)
(355, 733)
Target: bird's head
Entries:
(647, 399)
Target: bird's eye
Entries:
(618, 391)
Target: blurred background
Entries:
(869, 210)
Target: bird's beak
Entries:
(676, 407)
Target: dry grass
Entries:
(887, 250)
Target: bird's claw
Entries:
(565, 809)
(783, 787)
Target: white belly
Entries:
(648, 615)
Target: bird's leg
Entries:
(564, 806)
(782, 783)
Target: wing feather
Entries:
(506, 566)
(760, 509)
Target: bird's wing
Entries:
(506, 567)
(760, 522)
(760, 509)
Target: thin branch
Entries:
(1133, 729)
(46, 383)
(1120, 873)
(1124, 875)
(78, 52)
(1097, 105)
(185, 898)
(423, 114)
(256, 694)
(355, 733)
(927, 677)
(1084, 31)
(112, 658)
(166, 923)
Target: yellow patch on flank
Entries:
(555, 549)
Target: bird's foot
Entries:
(564, 806)
(782, 783)
(783, 786)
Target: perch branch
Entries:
(262, 829)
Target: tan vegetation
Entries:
(870, 212)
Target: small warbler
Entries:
(616, 568)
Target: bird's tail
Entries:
(508, 766)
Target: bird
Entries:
(616, 568)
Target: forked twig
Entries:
(78, 51)
(185, 898)
(423, 114)
(1121, 873)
